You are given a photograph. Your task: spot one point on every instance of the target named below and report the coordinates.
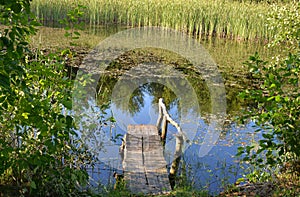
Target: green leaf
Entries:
(278, 98)
(67, 104)
(273, 85)
(77, 33)
(16, 7)
(281, 151)
(240, 151)
(270, 98)
(25, 115)
(267, 135)
(286, 99)
(67, 34)
(241, 179)
(32, 185)
(291, 126)
(246, 158)
(69, 121)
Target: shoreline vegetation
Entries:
(38, 153)
(227, 19)
(250, 20)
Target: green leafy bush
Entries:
(275, 100)
(39, 153)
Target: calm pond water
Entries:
(105, 118)
(211, 172)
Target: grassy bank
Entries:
(230, 19)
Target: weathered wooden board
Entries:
(144, 164)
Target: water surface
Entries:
(211, 171)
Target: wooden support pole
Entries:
(176, 161)
(163, 119)
(167, 116)
(164, 128)
(159, 120)
(162, 124)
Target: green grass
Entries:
(224, 18)
(53, 38)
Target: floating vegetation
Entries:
(223, 18)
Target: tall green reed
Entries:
(230, 19)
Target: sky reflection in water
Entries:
(213, 171)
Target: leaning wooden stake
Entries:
(163, 119)
(176, 161)
(164, 127)
(159, 119)
(162, 124)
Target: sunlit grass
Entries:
(54, 38)
(229, 19)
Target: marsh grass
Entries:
(230, 19)
(54, 38)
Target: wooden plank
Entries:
(158, 180)
(144, 164)
(142, 130)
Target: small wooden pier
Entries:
(144, 165)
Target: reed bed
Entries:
(224, 18)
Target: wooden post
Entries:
(164, 128)
(163, 119)
(162, 124)
(175, 163)
(159, 120)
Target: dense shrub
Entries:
(39, 154)
(275, 102)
